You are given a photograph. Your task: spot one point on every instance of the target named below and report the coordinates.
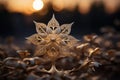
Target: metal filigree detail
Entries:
(52, 39)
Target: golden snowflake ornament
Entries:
(53, 40)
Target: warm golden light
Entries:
(83, 6)
(38, 4)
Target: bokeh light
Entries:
(111, 5)
(21, 6)
(83, 6)
(38, 4)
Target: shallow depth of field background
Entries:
(16, 16)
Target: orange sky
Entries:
(84, 6)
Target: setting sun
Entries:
(38, 4)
